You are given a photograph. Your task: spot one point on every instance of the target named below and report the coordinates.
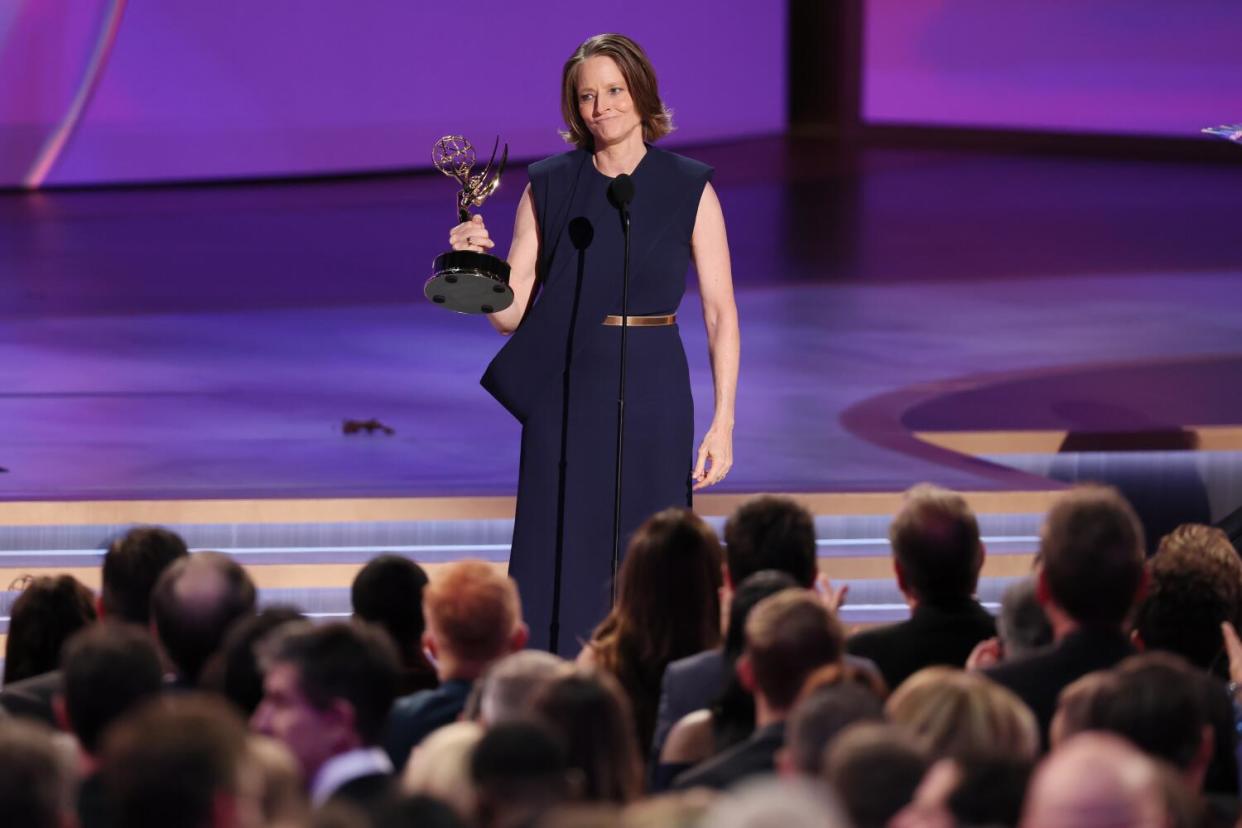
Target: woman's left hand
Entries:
(715, 458)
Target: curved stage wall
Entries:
(1105, 66)
(115, 91)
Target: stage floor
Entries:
(904, 314)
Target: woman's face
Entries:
(604, 102)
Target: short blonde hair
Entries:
(958, 714)
(473, 609)
(639, 76)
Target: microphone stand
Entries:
(622, 190)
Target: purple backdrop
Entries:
(242, 88)
(1114, 66)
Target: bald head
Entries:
(195, 602)
(1095, 781)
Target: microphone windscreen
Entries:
(621, 190)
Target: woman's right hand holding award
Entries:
(468, 279)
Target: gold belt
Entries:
(641, 321)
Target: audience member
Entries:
(277, 782)
(440, 767)
(109, 669)
(874, 769)
(937, 555)
(1022, 625)
(589, 713)
(1091, 573)
(1073, 713)
(234, 670)
(49, 610)
(788, 636)
(729, 716)
(1022, 628)
(776, 803)
(195, 602)
(519, 770)
(131, 566)
(506, 689)
(474, 618)
(1195, 585)
(36, 780)
(1094, 780)
(388, 591)
(818, 716)
(667, 607)
(327, 693)
(764, 534)
(1156, 702)
(956, 714)
(179, 762)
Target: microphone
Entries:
(621, 192)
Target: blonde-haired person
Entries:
(558, 372)
(954, 714)
(440, 767)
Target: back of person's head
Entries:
(234, 670)
(1195, 583)
(989, 789)
(195, 602)
(343, 662)
(473, 613)
(746, 596)
(520, 771)
(506, 689)
(591, 715)
(36, 780)
(131, 566)
(49, 610)
(1022, 624)
(874, 768)
(1091, 552)
(1155, 701)
(768, 802)
(1093, 780)
(388, 591)
(439, 766)
(936, 545)
(176, 762)
(668, 599)
(819, 716)
(1073, 713)
(108, 669)
(788, 636)
(771, 532)
(954, 714)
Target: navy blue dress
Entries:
(558, 375)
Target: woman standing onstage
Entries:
(559, 370)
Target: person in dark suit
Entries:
(788, 636)
(327, 691)
(937, 555)
(1091, 575)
